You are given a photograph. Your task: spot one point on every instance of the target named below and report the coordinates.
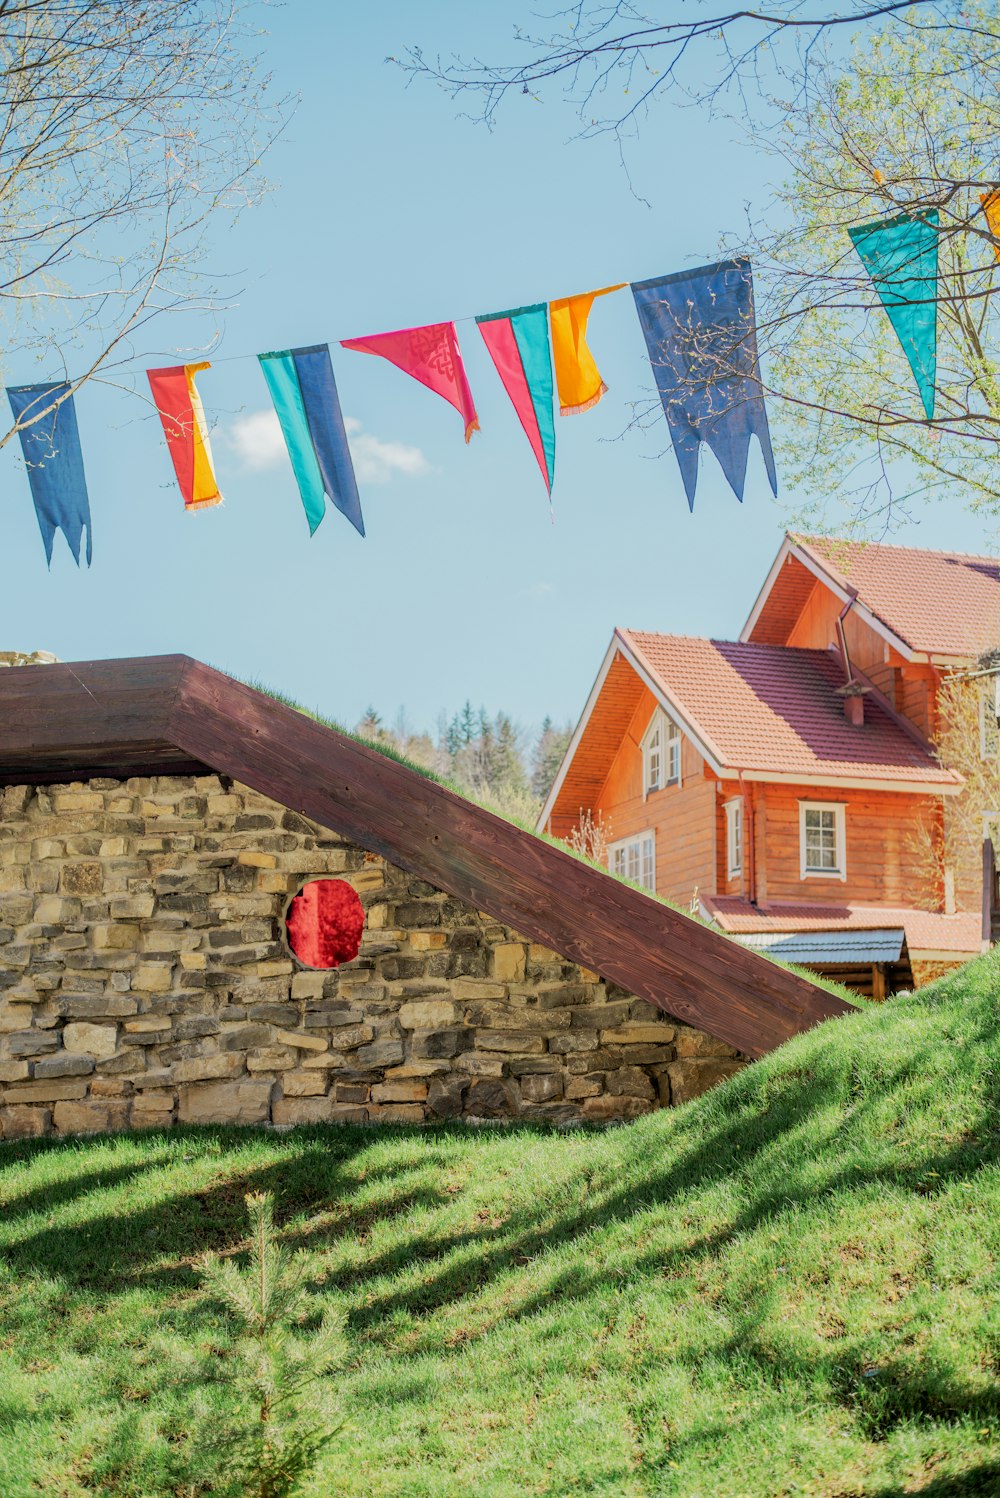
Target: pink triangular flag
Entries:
(432, 356)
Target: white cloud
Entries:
(376, 462)
(257, 441)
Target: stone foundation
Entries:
(145, 979)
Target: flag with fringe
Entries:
(176, 397)
(577, 377)
(431, 355)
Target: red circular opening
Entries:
(324, 922)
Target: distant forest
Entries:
(489, 757)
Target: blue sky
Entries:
(387, 211)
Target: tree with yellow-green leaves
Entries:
(869, 111)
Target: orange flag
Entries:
(578, 378)
(991, 208)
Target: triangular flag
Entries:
(701, 336)
(901, 256)
(305, 399)
(54, 460)
(991, 208)
(432, 356)
(184, 426)
(518, 342)
(577, 376)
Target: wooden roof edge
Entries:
(539, 890)
(103, 716)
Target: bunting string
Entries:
(701, 339)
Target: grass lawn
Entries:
(788, 1287)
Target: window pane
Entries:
(635, 860)
(821, 839)
(648, 863)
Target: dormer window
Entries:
(661, 754)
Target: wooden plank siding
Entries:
(207, 719)
(680, 816)
(880, 832)
(783, 606)
(609, 721)
(910, 686)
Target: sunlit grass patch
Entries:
(787, 1287)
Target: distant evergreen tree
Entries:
(372, 727)
(484, 756)
(461, 730)
(547, 756)
(507, 770)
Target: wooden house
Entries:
(780, 784)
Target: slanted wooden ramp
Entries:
(173, 715)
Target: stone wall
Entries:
(145, 979)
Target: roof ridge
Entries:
(656, 634)
(801, 538)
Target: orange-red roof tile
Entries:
(773, 709)
(937, 602)
(926, 930)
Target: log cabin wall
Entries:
(880, 830)
(681, 816)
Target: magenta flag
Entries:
(432, 356)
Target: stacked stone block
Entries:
(146, 979)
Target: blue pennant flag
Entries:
(307, 405)
(701, 337)
(54, 460)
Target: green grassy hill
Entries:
(788, 1287)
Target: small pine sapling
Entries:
(282, 1419)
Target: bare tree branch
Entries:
(126, 126)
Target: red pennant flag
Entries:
(432, 356)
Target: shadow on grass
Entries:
(825, 1123)
(978, 1482)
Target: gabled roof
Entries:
(767, 712)
(771, 711)
(926, 604)
(926, 930)
(170, 714)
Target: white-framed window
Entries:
(661, 754)
(822, 850)
(734, 837)
(635, 858)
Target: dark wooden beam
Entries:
(110, 718)
(169, 714)
(682, 966)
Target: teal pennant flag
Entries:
(901, 256)
(308, 409)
